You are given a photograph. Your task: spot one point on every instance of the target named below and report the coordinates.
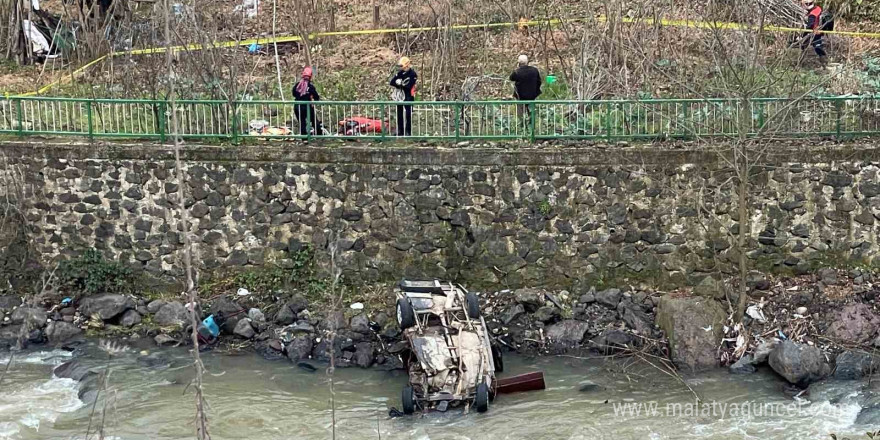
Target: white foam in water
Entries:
(31, 406)
(54, 357)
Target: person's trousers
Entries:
(404, 120)
(305, 112)
(817, 42)
(524, 114)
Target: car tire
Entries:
(408, 399)
(406, 316)
(497, 359)
(481, 401)
(472, 305)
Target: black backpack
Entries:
(826, 21)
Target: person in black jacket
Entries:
(305, 91)
(404, 84)
(526, 87)
(813, 34)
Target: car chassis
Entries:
(453, 361)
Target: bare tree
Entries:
(202, 432)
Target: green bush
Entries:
(90, 273)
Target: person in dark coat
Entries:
(305, 91)
(526, 87)
(404, 84)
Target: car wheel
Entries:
(408, 399)
(406, 316)
(497, 359)
(472, 305)
(482, 399)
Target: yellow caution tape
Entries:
(521, 24)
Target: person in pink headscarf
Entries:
(304, 90)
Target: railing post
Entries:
(90, 119)
(235, 130)
(458, 109)
(18, 110)
(839, 114)
(532, 118)
(760, 117)
(386, 127)
(608, 120)
(163, 107)
(308, 122)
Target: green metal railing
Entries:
(490, 120)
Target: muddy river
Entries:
(251, 398)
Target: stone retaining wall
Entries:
(478, 215)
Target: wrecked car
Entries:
(453, 361)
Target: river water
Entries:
(251, 398)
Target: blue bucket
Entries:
(211, 326)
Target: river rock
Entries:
(612, 339)
(163, 339)
(155, 305)
(511, 313)
(8, 303)
(256, 315)
(106, 307)
(335, 321)
(635, 318)
(61, 331)
(244, 329)
(547, 314)
(269, 349)
(284, 316)
(763, 350)
(300, 347)
(855, 323)
(567, 333)
(694, 327)
(363, 355)
(799, 364)
(360, 324)
(228, 312)
(171, 314)
(531, 299)
(851, 365)
(743, 366)
(609, 297)
(710, 288)
(298, 303)
(9, 335)
(88, 384)
(30, 317)
(130, 318)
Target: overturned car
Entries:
(453, 361)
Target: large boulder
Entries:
(172, 314)
(360, 324)
(130, 318)
(363, 355)
(799, 364)
(855, 323)
(851, 365)
(745, 365)
(567, 333)
(30, 317)
(299, 347)
(531, 299)
(694, 327)
(88, 380)
(285, 315)
(609, 297)
(106, 307)
(244, 329)
(61, 331)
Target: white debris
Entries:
(755, 312)
(243, 292)
(357, 306)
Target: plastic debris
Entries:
(250, 8)
(755, 312)
(357, 306)
(66, 301)
(243, 292)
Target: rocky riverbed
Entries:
(805, 328)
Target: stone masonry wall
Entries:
(480, 216)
